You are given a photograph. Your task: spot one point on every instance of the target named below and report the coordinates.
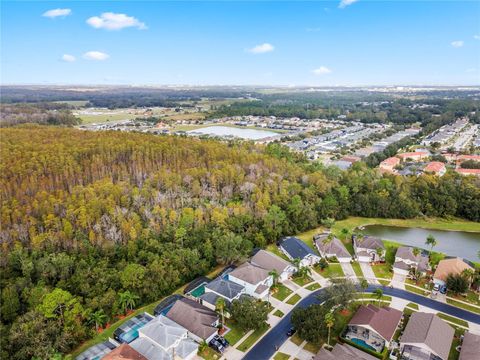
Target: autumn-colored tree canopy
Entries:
(88, 217)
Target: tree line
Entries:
(96, 223)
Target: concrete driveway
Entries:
(348, 271)
(398, 281)
(368, 273)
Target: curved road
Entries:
(267, 346)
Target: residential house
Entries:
(200, 321)
(436, 168)
(405, 259)
(330, 246)
(367, 248)
(270, 262)
(124, 352)
(454, 266)
(415, 156)
(389, 164)
(343, 352)
(426, 337)
(467, 172)
(128, 331)
(254, 279)
(373, 326)
(462, 158)
(470, 349)
(294, 248)
(223, 288)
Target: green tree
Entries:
(457, 283)
(378, 294)
(133, 276)
(274, 223)
(127, 300)
(98, 318)
(220, 306)
(329, 322)
(364, 284)
(431, 241)
(274, 274)
(250, 313)
(10, 303)
(339, 294)
(60, 304)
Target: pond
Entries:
(453, 243)
(243, 133)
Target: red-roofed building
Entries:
(436, 168)
(416, 156)
(466, 172)
(388, 165)
(462, 158)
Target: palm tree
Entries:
(220, 305)
(296, 262)
(98, 318)
(469, 275)
(431, 241)
(274, 274)
(415, 274)
(416, 251)
(329, 322)
(128, 300)
(304, 271)
(378, 294)
(380, 252)
(364, 284)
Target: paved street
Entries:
(275, 338)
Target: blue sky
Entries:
(223, 43)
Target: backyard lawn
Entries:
(294, 299)
(235, 333)
(249, 341)
(209, 354)
(282, 292)
(333, 270)
(275, 250)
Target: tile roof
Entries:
(332, 246)
(468, 171)
(369, 242)
(194, 317)
(226, 288)
(343, 352)
(269, 261)
(450, 266)
(124, 352)
(250, 273)
(470, 347)
(383, 320)
(163, 331)
(434, 166)
(391, 161)
(429, 329)
(296, 247)
(410, 154)
(261, 288)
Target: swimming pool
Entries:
(199, 291)
(132, 334)
(363, 344)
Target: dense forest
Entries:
(90, 219)
(39, 113)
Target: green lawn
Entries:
(372, 296)
(313, 348)
(294, 299)
(313, 287)
(282, 292)
(278, 313)
(453, 320)
(470, 296)
(249, 341)
(332, 271)
(275, 250)
(281, 356)
(382, 271)
(297, 340)
(463, 306)
(416, 290)
(209, 354)
(235, 333)
(302, 281)
(412, 305)
(358, 270)
(454, 354)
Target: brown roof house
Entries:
(373, 327)
(124, 352)
(254, 279)
(426, 337)
(343, 352)
(367, 248)
(449, 266)
(200, 321)
(405, 259)
(269, 261)
(470, 347)
(330, 246)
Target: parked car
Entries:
(221, 340)
(216, 345)
(291, 331)
(443, 289)
(436, 287)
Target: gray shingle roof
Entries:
(163, 331)
(470, 347)
(369, 242)
(430, 330)
(383, 320)
(269, 261)
(331, 246)
(250, 273)
(226, 288)
(296, 247)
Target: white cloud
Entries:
(322, 70)
(457, 43)
(262, 48)
(95, 55)
(476, 37)
(112, 21)
(344, 3)
(68, 58)
(56, 13)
